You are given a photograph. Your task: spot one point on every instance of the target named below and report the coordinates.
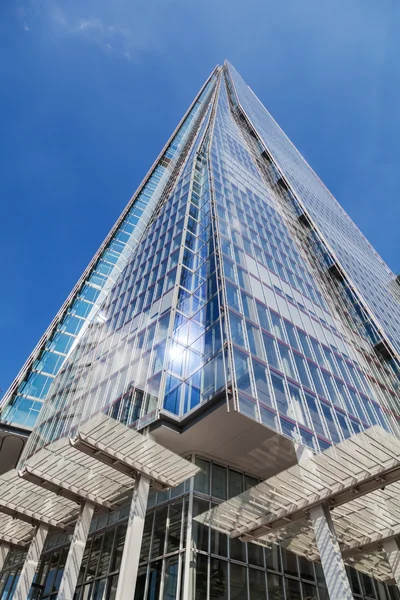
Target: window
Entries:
(262, 384)
(280, 395)
(270, 351)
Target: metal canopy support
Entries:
(331, 557)
(28, 505)
(75, 553)
(392, 551)
(4, 550)
(101, 466)
(131, 452)
(31, 562)
(133, 540)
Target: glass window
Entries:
(315, 415)
(254, 338)
(148, 526)
(170, 578)
(94, 556)
(118, 547)
(238, 582)
(331, 361)
(323, 593)
(319, 573)
(262, 384)
(316, 377)
(202, 576)
(237, 550)
(309, 591)
(202, 479)
(344, 397)
(331, 388)
(219, 482)
(200, 531)
(106, 553)
(255, 554)
(280, 395)
(277, 325)
(344, 424)
(235, 481)
(301, 369)
(273, 558)
(112, 583)
(219, 581)
(286, 361)
(368, 585)
(270, 351)
(289, 561)
(291, 333)
(174, 531)
(98, 589)
(305, 344)
(219, 543)
(248, 307)
(237, 330)
(242, 372)
(354, 581)
(306, 568)
(232, 294)
(257, 583)
(298, 412)
(330, 422)
(275, 587)
(292, 588)
(160, 523)
(263, 316)
(318, 352)
(154, 580)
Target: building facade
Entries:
(234, 311)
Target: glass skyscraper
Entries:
(234, 311)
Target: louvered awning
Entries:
(348, 478)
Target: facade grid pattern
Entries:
(239, 283)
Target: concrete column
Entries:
(4, 550)
(331, 557)
(133, 540)
(393, 555)
(75, 553)
(31, 562)
(189, 573)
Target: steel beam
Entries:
(133, 540)
(392, 551)
(331, 558)
(31, 562)
(75, 553)
(4, 550)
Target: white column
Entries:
(331, 557)
(75, 553)
(4, 550)
(31, 562)
(393, 555)
(189, 572)
(133, 540)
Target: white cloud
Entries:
(119, 28)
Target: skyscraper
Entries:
(236, 313)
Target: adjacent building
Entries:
(235, 313)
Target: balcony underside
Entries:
(229, 437)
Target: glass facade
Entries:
(246, 287)
(22, 403)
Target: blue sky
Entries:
(91, 90)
